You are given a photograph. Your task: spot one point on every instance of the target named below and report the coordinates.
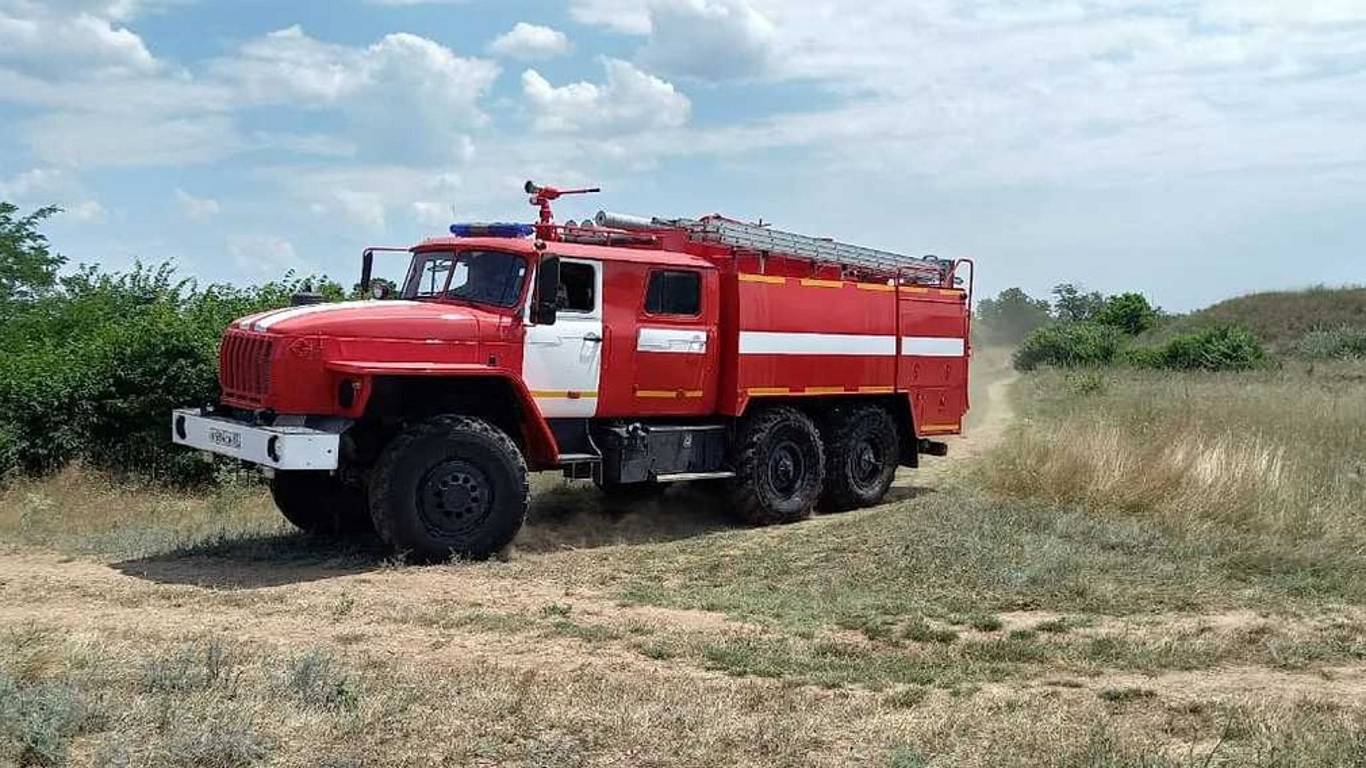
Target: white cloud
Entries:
(89, 211)
(311, 144)
(628, 16)
(630, 100)
(265, 256)
(708, 39)
(42, 39)
(530, 42)
(40, 187)
(402, 95)
(196, 208)
(433, 214)
(289, 67)
(102, 140)
(1280, 12)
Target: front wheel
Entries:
(779, 467)
(449, 486)
(319, 503)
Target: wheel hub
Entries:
(455, 497)
(866, 462)
(786, 468)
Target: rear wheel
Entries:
(861, 448)
(779, 467)
(451, 485)
(319, 503)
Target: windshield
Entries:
(483, 277)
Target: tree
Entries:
(1073, 306)
(1011, 316)
(27, 267)
(1130, 312)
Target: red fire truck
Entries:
(789, 372)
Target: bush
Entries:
(1069, 345)
(92, 370)
(9, 451)
(1224, 348)
(1343, 343)
(1129, 312)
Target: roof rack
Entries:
(758, 237)
(762, 238)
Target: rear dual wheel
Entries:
(862, 448)
(779, 467)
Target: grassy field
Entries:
(1140, 570)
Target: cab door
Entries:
(562, 363)
(676, 345)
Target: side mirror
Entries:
(545, 299)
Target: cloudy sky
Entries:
(1192, 149)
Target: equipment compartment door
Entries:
(676, 343)
(562, 363)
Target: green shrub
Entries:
(1224, 348)
(1069, 345)
(1342, 343)
(9, 451)
(1144, 357)
(1129, 312)
(92, 370)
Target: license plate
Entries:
(225, 438)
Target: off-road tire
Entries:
(779, 467)
(862, 448)
(449, 486)
(319, 503)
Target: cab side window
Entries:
(578, 284)
(674, 292)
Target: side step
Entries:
(580, 466)
(685, 476)
(578, 458)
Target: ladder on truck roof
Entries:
(761, 238)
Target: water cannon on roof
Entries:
(541, 197)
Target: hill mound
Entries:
(1278, 318)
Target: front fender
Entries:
(542, 452)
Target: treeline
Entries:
(92, 363)
(1081, 328)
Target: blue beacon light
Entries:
(497, 229)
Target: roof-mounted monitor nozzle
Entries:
(541, 197)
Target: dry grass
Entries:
(213, 702)
(1277, 454)
(87, 512)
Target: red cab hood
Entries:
(416, 320)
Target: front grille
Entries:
(244, 366)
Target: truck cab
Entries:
(630, 356)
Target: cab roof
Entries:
(572, 250)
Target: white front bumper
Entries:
(279, 447)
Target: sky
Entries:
(1192, 149)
